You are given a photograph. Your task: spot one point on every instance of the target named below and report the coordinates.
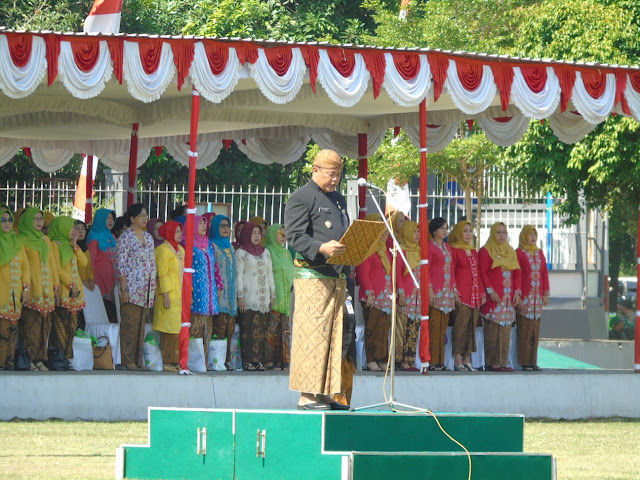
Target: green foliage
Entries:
(57, 15)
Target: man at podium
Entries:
(315, 220)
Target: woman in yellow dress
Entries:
(14, 287)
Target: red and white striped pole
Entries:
(423, 348)
(363, 172)
(187, 278)
(88, 209)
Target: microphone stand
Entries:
(391, 366)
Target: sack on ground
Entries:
(235, 358)
(82, 354)
(196, 361)
(102, 357)
(152, 354)
(217, 354)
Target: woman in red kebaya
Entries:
(442, 290)
(471, 292)
(501, 275)
(535, 295)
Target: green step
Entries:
(419, 432)
(431, 466)
(294, 445)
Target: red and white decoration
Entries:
(104, 17)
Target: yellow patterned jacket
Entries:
(14, 275)
(169, 265)
(44, 279)
(69, 277)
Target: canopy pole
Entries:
(425, 354)
(133, 164)
(88, 207)
(363, 172)
(187, 279)
(636, 365)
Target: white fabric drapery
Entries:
(279, 89)
(633, 99)
(84, 84)
(438, 137)
(19, 82)
(208, 152)
(343, 91)
(214, 88)
(470, 102)
(142, 86)
(50, 160)
(347, 145)
(569, 127)
(7, 153)
(274, 150)
(504, 134)
(407, 93)
(535, 105)
(594, 110)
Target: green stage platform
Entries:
(296, 445)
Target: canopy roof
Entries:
(73, 92)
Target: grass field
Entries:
(594, 450)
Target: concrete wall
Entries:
(109, 396)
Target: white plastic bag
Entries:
(82, 354)
(217, 354)
(196, 361)
(152, 354)
(235, 359)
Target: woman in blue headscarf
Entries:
(224, 323)
(102, 247)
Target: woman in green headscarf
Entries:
(278, 333)
(63, 234)
(35, 324)
(14, 287)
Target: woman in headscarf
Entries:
(35, 325)
(535, 295)
(374, 276)
(206, 284)
(408, 321)
(263, 224)
(15, 288)
(101, 245)
(442, 290)
(256, 293)
(237, 229)
(471, 292)
(153, 227)
(167, 313)
(62, 234)
(500, 275)
(136, 271)
(85, 267)
(278, 334)
(225, 322)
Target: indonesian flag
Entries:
(81, 192)
(398, 198)
(104, 17)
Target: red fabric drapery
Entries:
(183, 53)
(439, 67)
(311, 58)
(567, 78)
(217, 56)
(535, 77)
(187, 279)
(344, 61)
(423, 348)
(279, 59)
(595, 82)
(247, 52)
(86, 52)
(621, 86)
(407, 65)
(150, 53)
(133, 164)
(376, 64)
(19, 48)
(363, 172)
(53, 52)
(116, 49)
(503, 76)
(470, 74)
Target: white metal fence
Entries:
(505, 201)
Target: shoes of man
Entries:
(314, 406)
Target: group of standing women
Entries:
(495, 287)
(41, 290)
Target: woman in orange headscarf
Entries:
(501, 275)
(535, 295)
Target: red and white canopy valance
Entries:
(73, 92)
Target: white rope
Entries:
(189, 270)
(424, 261)
(192, 154)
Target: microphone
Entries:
(363, 183)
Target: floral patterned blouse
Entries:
(441, 277)
(535, 282)
(137, 261)
(206, 282)
(505, 283)
(226, 262)
(254, 280)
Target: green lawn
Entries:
(602, 450)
